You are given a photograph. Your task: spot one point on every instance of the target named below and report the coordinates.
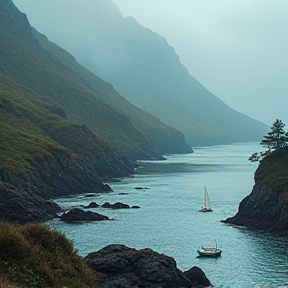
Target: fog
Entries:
(236, 48)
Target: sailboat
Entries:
(206, 207)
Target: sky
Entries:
(237, 49)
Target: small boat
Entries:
(206, 207)
(209, 251)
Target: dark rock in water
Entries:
(92, 205)
(121, 266)
(141, 188)
(77, 215)
(197, 277)
(106, 205)
(135, 207)
(107, 188)
(90, 195)
(117, 205)
(122, 193)
(19, 207)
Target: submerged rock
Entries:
(121, 266)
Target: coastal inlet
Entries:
(169, 220)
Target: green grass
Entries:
(31, 128)
(34, 255)
(273, 172)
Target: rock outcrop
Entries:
(266, 207)
(57, 175)
(117, 205)
(19, 207)
(121, 266)
(77, 215)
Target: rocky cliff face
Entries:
(266, 207)
(20, 207)
(59, 175)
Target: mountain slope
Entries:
(59, 133)
(146, 70)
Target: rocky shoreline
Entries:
(122, 267)
(114, 266)
(19, 207)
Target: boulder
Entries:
(197, 277)
(92, 205)
(121, 266)
(77, 215)
(117, 205)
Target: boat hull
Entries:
(214, 254)
(205, 210)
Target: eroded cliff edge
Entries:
(266, 207)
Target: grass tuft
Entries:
(34, 255)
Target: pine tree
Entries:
(275, 139)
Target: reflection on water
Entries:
(169, 222)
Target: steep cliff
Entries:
(266, 207)
(63, 129)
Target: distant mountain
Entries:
(62, 128)
(147, 72)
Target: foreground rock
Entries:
(123, 267)
(266, 207)
(19, 207)
(77, 215)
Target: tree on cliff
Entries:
(275, 139)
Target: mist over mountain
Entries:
(63, 129)
(148, 73)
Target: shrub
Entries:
(34, 255)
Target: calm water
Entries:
(169, 222)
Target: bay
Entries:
(169, 221)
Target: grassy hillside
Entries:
(63, 128)
(160, 137)
(273, 172)
(55, 76)
(35, 256)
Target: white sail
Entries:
(206, 207)
(206, 201)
